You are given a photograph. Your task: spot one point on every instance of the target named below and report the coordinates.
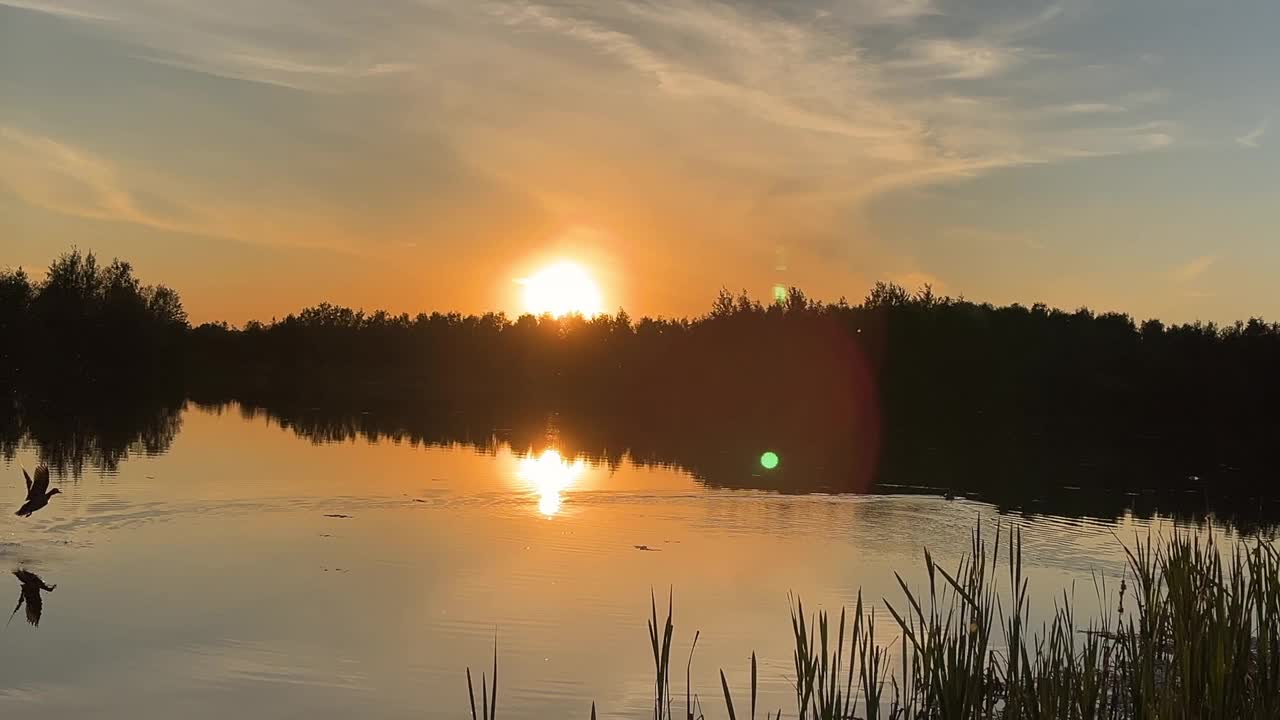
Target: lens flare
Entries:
(549, 475)
(769, 460)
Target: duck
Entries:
(32, 586)
(38, 492)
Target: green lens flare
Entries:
(769, 460)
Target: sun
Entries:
(560, 289)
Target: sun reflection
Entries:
(549, 475)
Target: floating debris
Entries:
(338, 515)
(646, 548)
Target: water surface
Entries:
(225, 564)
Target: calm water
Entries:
(213, 579)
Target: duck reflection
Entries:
(548, 475)
(32, 586)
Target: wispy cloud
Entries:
(48, 173)
(1253, 138)
(1193, 269)
(916, 280)
(818, 73)
(879, 12)
(952, 59)
(271, 43)
(780, 70)
(1087, 108)
(997, 239)
(57, 176)
(52, 7)
(786, 119)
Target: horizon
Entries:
(260, 158)
(763, 301)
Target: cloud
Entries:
(57, 8)
(952, 59)
(1253, 138)
(916, 280)
(782, 70)
(1087, 108)
(846, 108)
(739, 123)
(1193, 269)
(997, 238)
(879, 12)
(827, 78)
(50, 174)
(272, 43)
(282, 72)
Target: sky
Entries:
(264, 155)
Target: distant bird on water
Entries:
(38, 492)
(32, 585)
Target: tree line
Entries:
(901, 384)
(87, 324)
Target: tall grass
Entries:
(1197, 637)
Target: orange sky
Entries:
(425, 155)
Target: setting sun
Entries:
(562, 289)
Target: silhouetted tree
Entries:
(904, 384)
(87, 324)
(904, 387)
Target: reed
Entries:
(1194, 633)
(488, 701)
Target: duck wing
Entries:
(27, 475)
(40, 485)
(35, 604)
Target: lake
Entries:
(228, 561)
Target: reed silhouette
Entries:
(1200, 641)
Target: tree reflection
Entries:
(1031, 478)
(72, 434)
